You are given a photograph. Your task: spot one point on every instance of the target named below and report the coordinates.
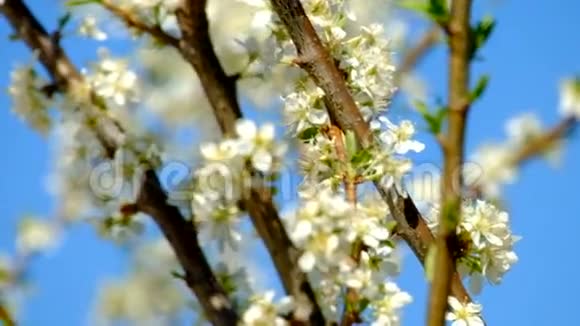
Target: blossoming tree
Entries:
(124, 163)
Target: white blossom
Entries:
(570, 97)
(35, 235)
(489, 250)
(219, 218)
(263, 311)
(113, 80)
(90, 29)
(486, 224)
(223, 151)
(259, 145)
(262, 16)
(29, 103)
(523, 128)
(399, 136)
(131, 298)
(386, 309)
(493, 167)
(305, 110)
(464, 314)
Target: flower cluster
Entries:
(89, 28)
(363, 58)
(326, 227)
(29, 102)
(496, 164)
(223, 180)
(386, 308)
(464, 314)
(486, 243)
(129, 298)
(263, 311)
(112, 80)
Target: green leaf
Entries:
(178, 275)
(73, 3)
(473, 262)
(308, 133)
(351, 144)
(435, 10)
(435, 119)
(479, 88)
(361, 157)
(480, 33)
(14, 37)
(417, 6)
(363, 304)
(438, 10)
(421, 107)
(63, 20)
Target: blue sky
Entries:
(534, 46)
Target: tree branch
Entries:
(135, 23)
(543, 142)
(196, 47)
(452, 179)
(317, 62)
(152, 199)
(414, 55)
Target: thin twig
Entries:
(533, 147)
(452, 179)
(135, 23)
(540, 144)
(196, 47)
(350, 313)
(152, 200)
(317, 62)
(417, 53)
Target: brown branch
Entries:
(533, 147)
(452, 179)
(543, 142)
(350, 313)
(152, 200)
(196, 47)
(417, 53)
(5, 316)
(135, 23)
(317, 62)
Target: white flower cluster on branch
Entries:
(264, 311)
(112, 80)
(496, 164)
(29, 102)
(485, 243)
(346, 244)
(222, 181)
(345, 238)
